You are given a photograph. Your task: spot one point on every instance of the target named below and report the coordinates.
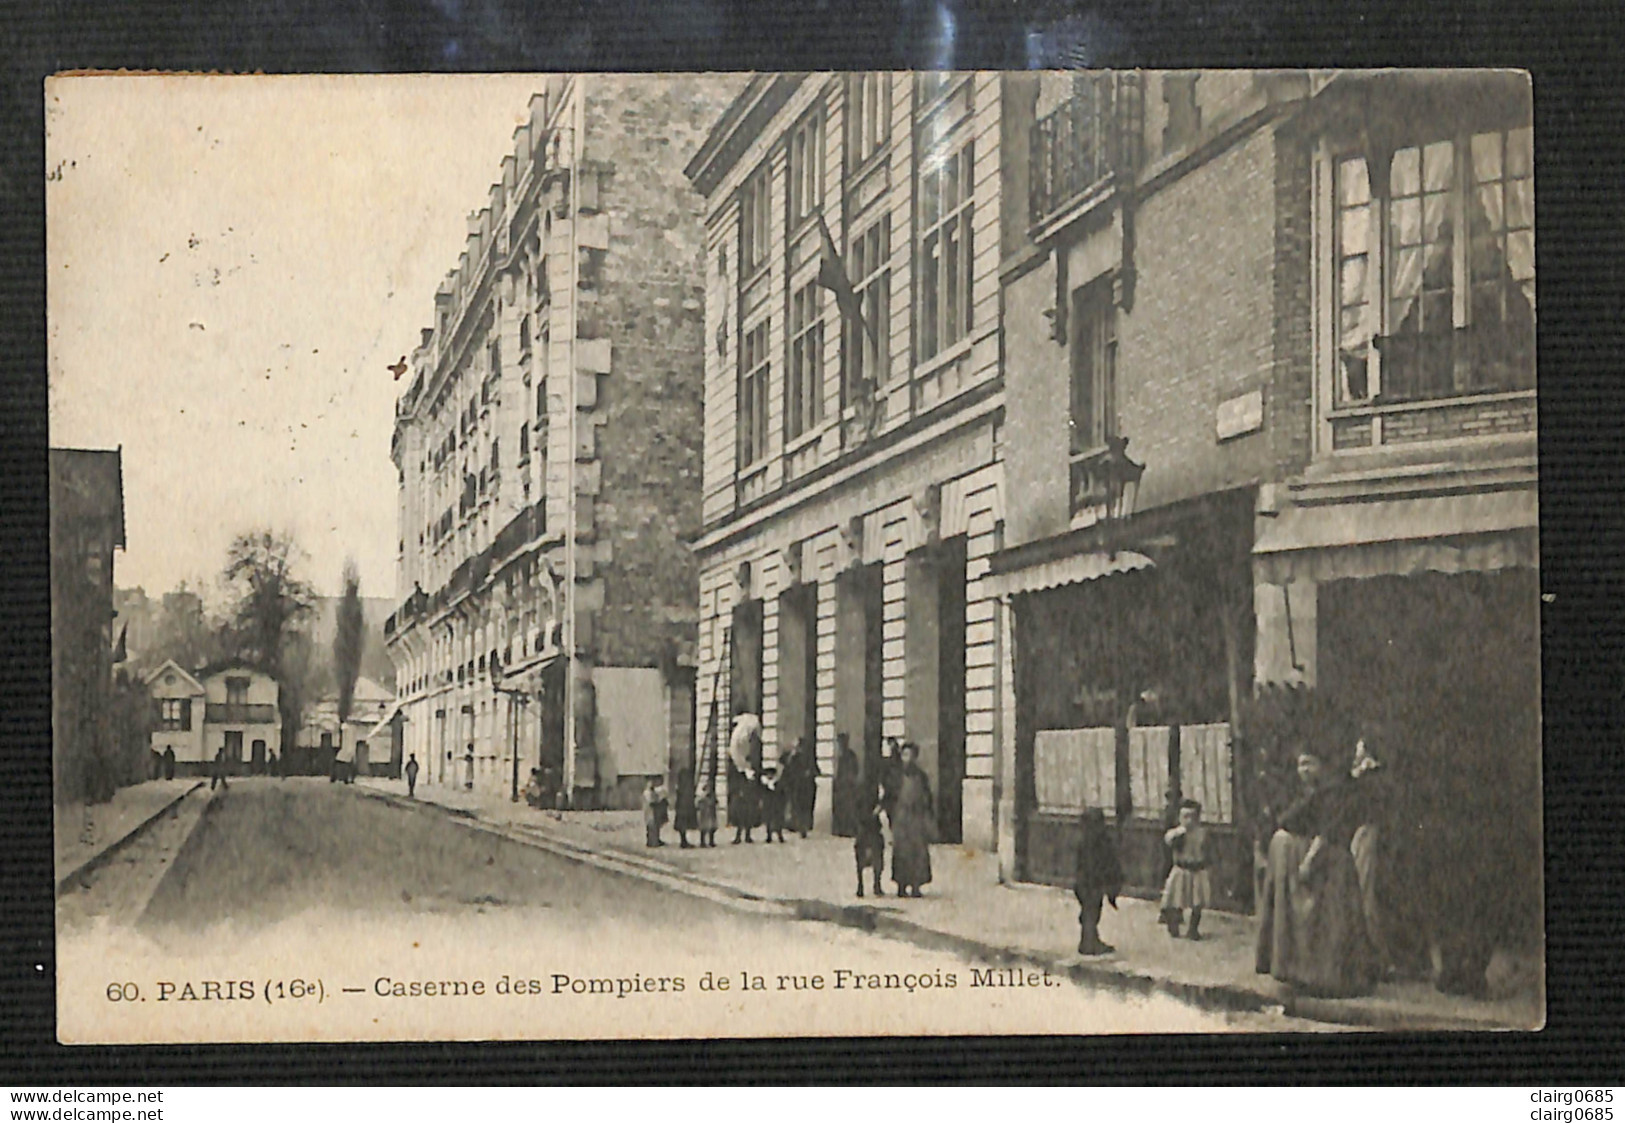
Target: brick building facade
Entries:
(548, 448)
(1269, 420)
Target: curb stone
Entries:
(75, 877)
(1219, 997)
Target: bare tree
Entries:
(271, 598)
(347, 641)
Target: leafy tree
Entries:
(184, 631)
(271, 599)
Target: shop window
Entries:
(1435, 278)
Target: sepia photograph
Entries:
(715, 555)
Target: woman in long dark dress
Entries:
(685, 817)
(847, 795)
(792, 775)
(913, 824)
(1312, 932)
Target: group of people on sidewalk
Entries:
(1319, 927)
(783, 796)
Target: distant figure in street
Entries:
(684, 814)
(847, 804)
(913, 822)
(468, 768)
(412, 776)
(773, 803)
(169, 762)
(744, 776)
(654, 812)
(869, 848)
(217, 772)
(1099, 876)
(1188, 885)
(705, 815)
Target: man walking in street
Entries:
(412, 776)
(218, 772)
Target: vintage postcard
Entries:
(588, 555)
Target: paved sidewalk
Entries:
(967, 910)
(85, 832)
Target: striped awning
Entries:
(1399, 537)
(1070, 570)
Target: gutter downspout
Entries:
(578, 116)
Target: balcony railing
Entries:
(473, 571)
(1082, 146)
(239, 713)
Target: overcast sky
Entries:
(233, 265)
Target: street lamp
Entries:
(1120, 479)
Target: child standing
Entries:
(773, 802)
(1187, 886)
(869, 848)
(1099, 875)
(705, 815)
(654, 812)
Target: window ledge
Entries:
(944, 358)
(1369, 409)
(793, 445)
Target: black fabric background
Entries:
(1570, 48)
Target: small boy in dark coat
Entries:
(773, 802)
(1099, 876)
(869, 848)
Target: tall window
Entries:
(804, 405)
(754, 201)
(871, 270)
(753, 395)
(870, 121)
(806, 148)
(945, 250)
(1436, 270)
(237, 691)
(1093, 337)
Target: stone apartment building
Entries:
(548, 450)
(1270, 419)
(853, 390)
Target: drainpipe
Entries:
(578, 117)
